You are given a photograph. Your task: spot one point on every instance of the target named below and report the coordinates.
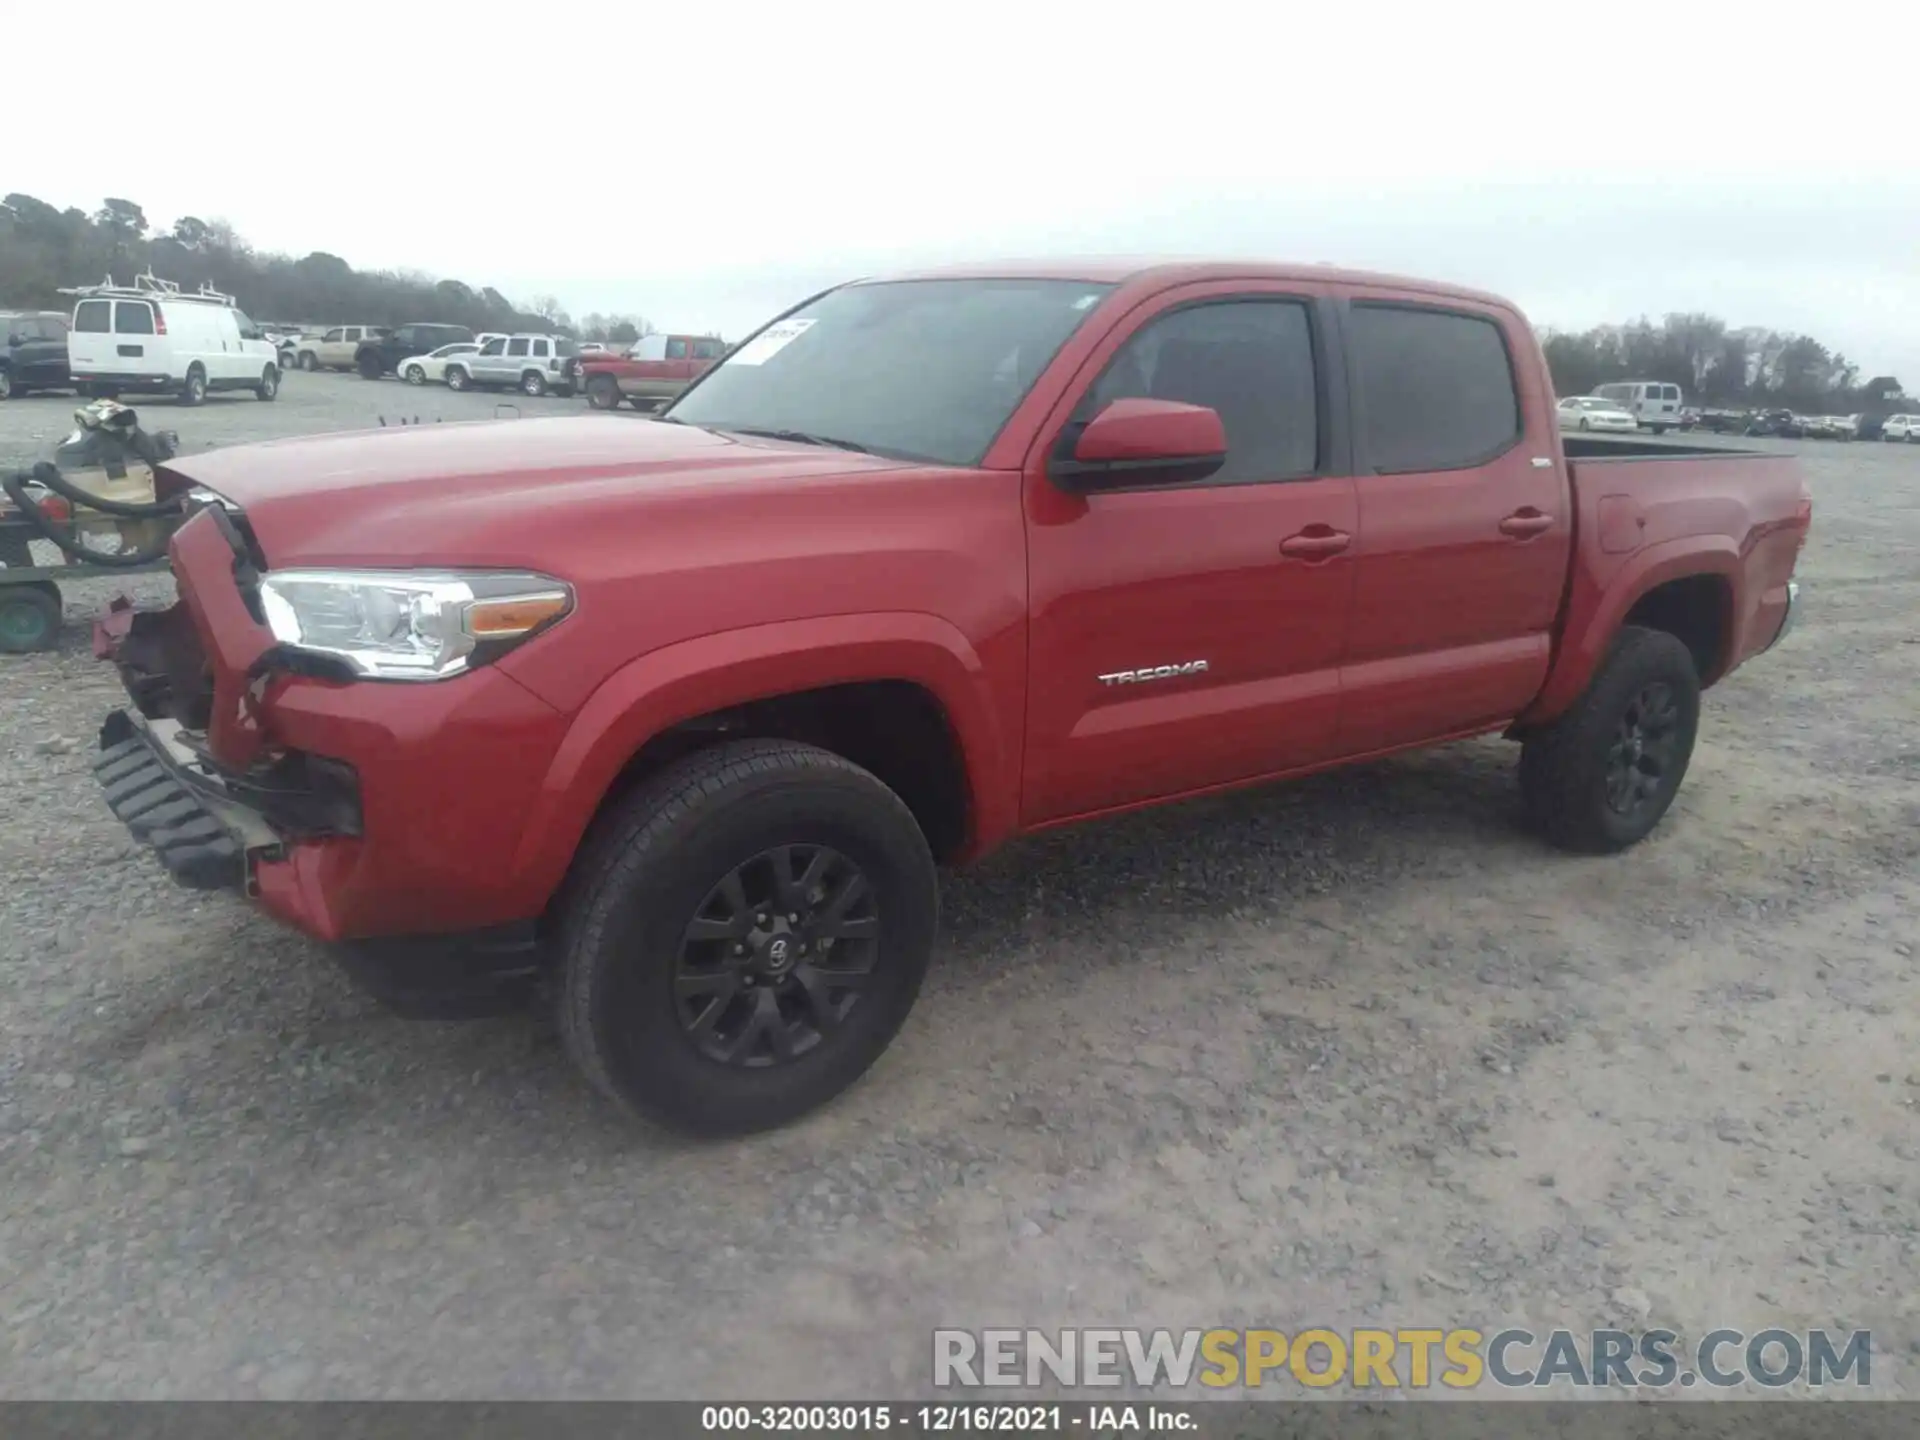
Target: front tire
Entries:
(603, 393)
(416, 375)
(457, 379)
(743, 937)
(1600, 777)
(309, 361)
(6, 385)
(269, 386)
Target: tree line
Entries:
(43, 248)
(1717, 365)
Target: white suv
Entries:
(532, 364)
(1902, 427)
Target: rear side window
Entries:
(93, 317)
(132, 317)
(540, 349)
(1250, 361)
(706, 349)
(1436, 389)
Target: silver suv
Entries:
(531, 364)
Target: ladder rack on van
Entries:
(148, 286)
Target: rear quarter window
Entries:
(1436, 388)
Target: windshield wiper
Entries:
(800, 437)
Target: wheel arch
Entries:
(879, 689)
(1689, 587)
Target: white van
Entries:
(1655, 404)
(150, 336)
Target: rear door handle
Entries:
(1523, 524)
(1316, 542)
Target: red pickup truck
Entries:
(673, 722)
(654, 369)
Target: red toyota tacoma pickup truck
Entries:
(672, 722)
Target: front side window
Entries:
(677, 349)
(706, 349)
(93, 317)
(333, 337)
(517, 347)
(1250, 361)
(494, 347)
(132, 317)
(248, 330)
(918, 369)
(1436, 388)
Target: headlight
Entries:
(400, 626)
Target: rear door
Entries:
(1465, 521)
(138, 347)
(90, 345)
(41, 359)
(1183, 636)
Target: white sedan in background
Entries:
(419, 369)
(1591, 412)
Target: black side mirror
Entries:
(13, 339)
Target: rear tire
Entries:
(195, 389)
(1600, 777)
(745, 1027)
(533, 383)
(30, 615)
(269, 386)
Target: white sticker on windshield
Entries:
(769, 342)
(1087, 302)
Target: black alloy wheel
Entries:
(1645, 750)
(777, 956)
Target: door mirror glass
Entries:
(1144, 442)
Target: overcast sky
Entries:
(709, 167)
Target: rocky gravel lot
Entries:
(1348, 1052)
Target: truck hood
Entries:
(490, 493)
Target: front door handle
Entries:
(1316, 542)
(1524, 524)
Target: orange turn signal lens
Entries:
(513, 615)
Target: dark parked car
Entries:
(1783, 424)
(33, 352)
(382, 354)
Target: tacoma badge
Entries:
(1154, 672)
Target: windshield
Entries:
(918, 369)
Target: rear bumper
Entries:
(1787, 617)
(121, 380)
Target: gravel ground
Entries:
(1347, 1052)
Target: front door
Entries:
(1191, 635)
(1465, 523)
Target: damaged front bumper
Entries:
(155, 785)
